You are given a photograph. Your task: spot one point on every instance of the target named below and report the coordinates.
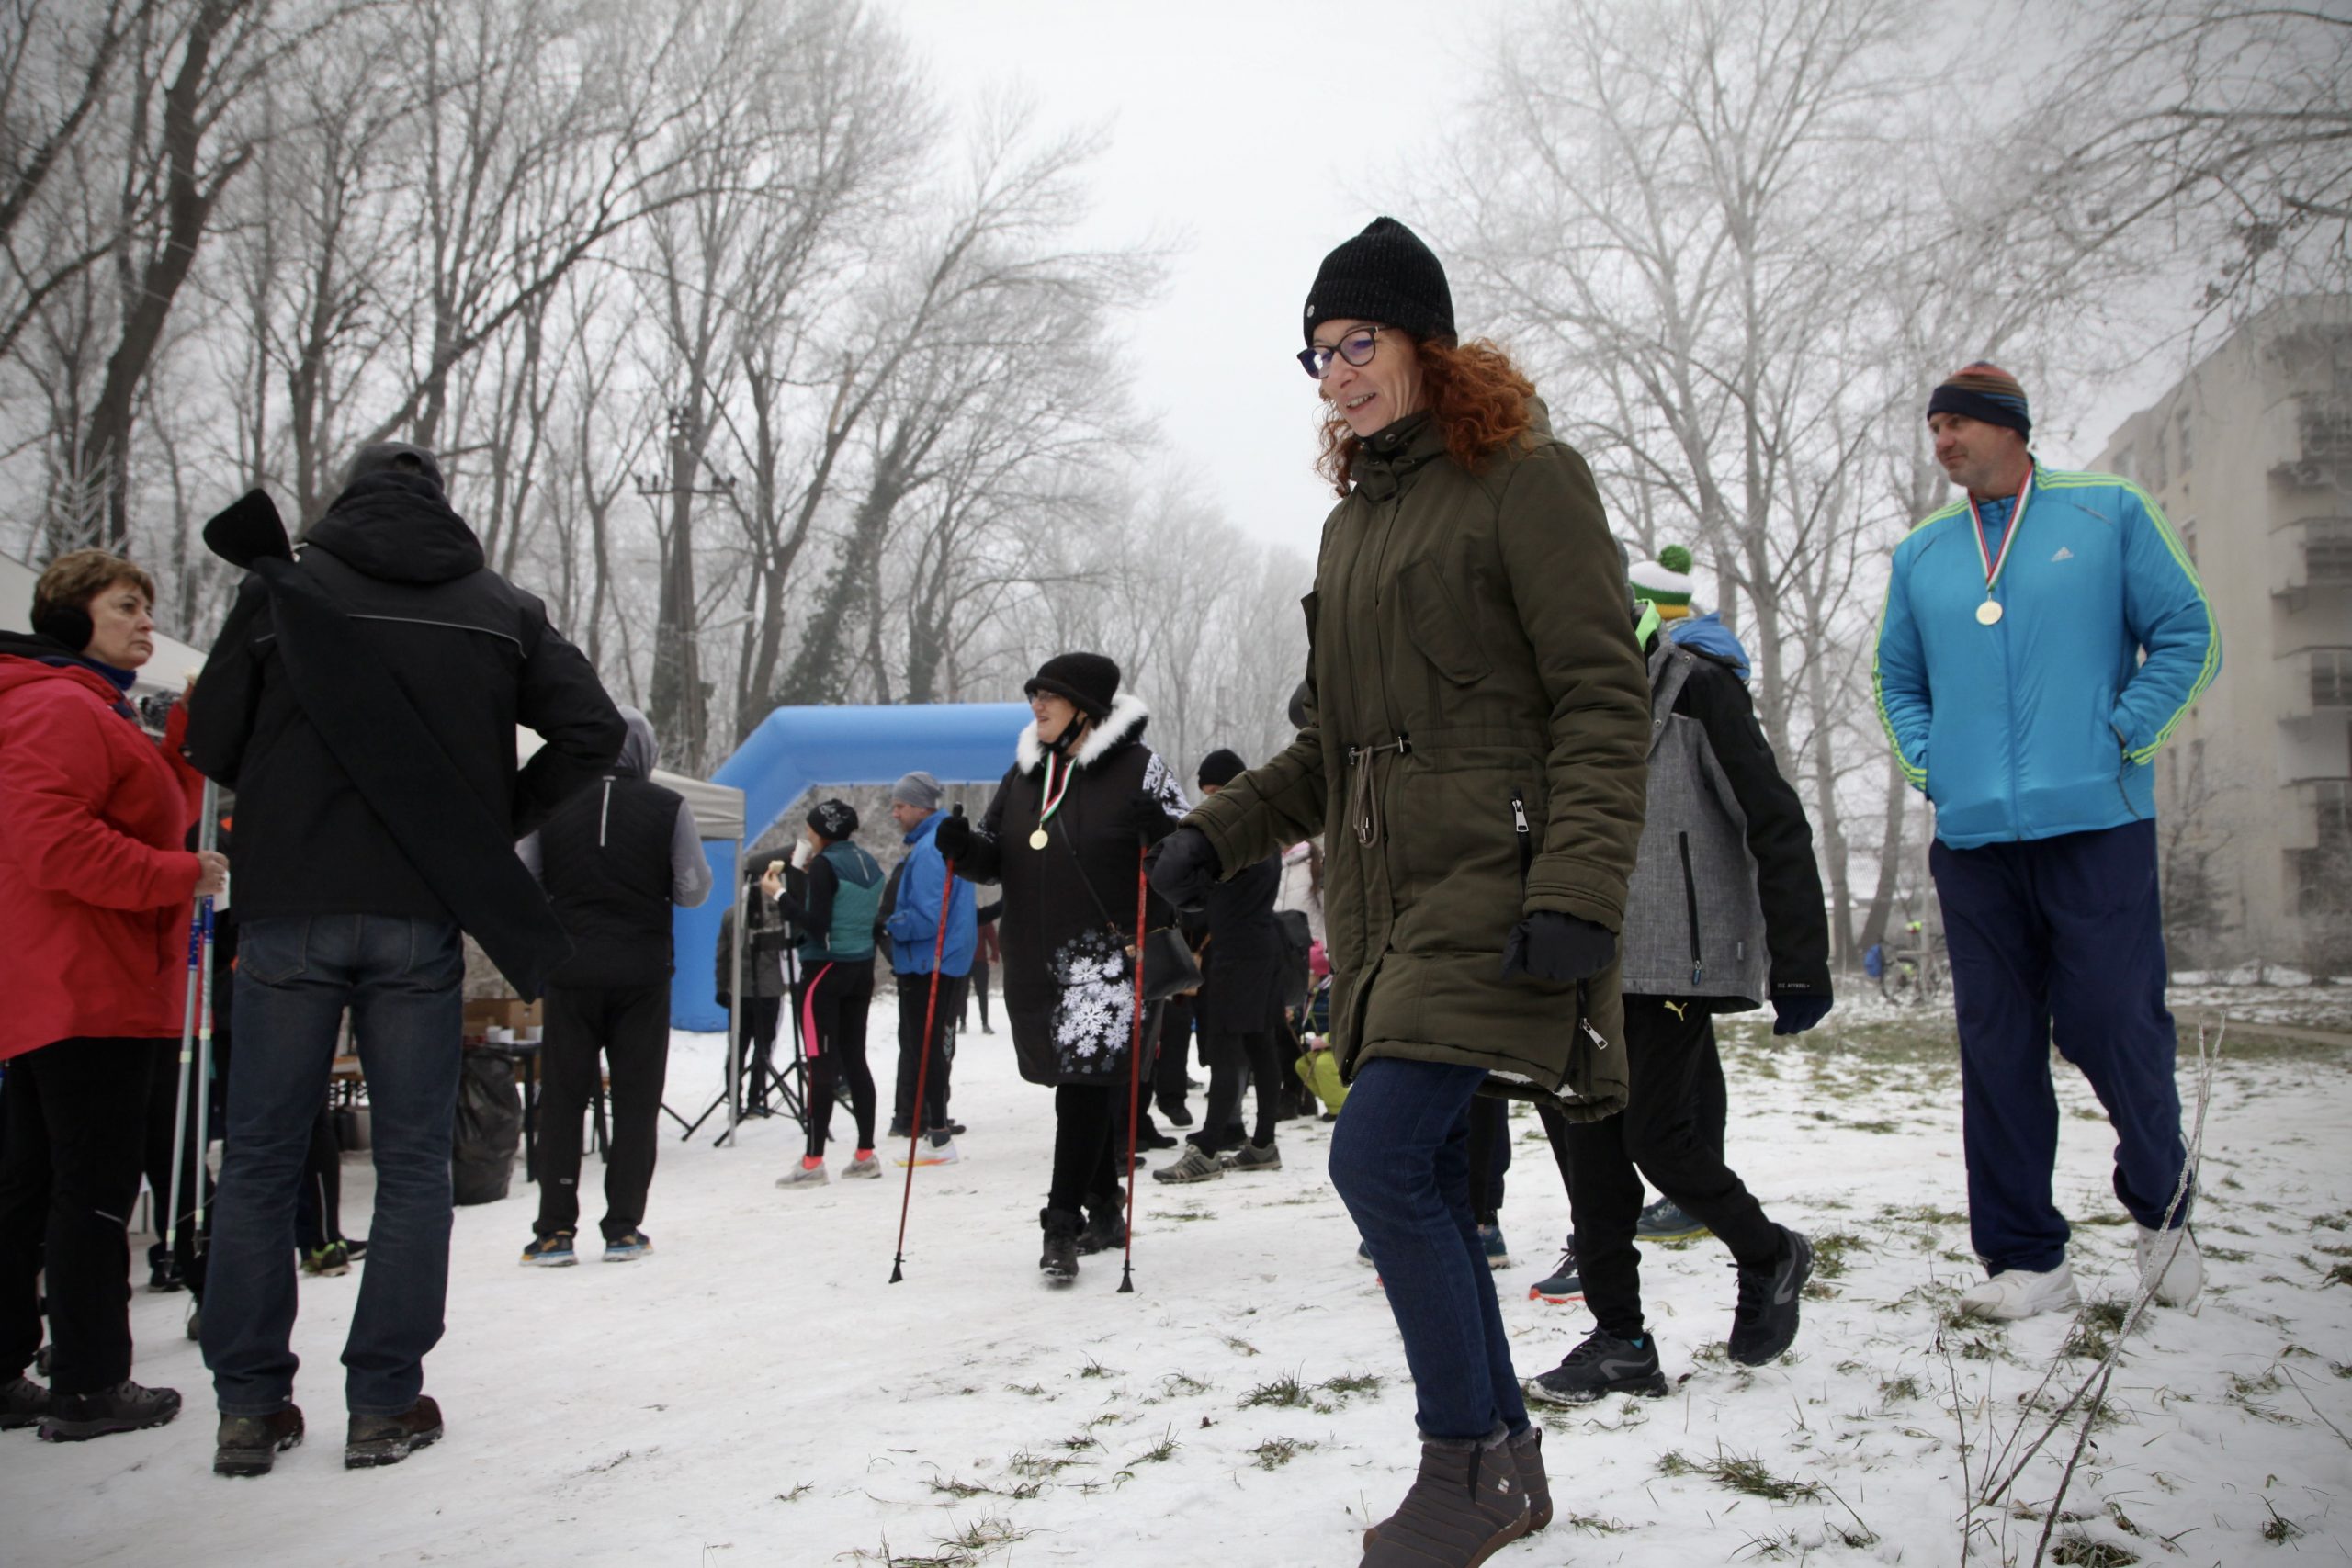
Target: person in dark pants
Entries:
(836, 917)
(362, 700)
(1704, 934)
(919, 936)
(987, 954)
(94, 944)
(1240, 1011)
(2027, 692)
(1171, 1074)
(614, 859)
(762, 1004)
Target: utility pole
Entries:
(679, 696)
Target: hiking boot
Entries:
(373, 1440)
(1564, 1284)
(1770, 1295)
(1178, 1116)
(2014, 1293)
(328, 1261)
(1464, 1506)
(1490, 1241)
(125, 1408)
(622, 1249)
(249, 1445)
(1667, 1221)
(807, 1173)
(1196, 1164)
(1527, 1451)
(1599, 1367)
(22, 1404)
(551, 1251)
(1150, 1137)
(1060, 1261)
(1254, 1157)
(2171, 1269)
(940, 1153)
(866, 1166)
(1106, 1227)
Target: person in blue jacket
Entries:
(915, 945)
(2043, 636)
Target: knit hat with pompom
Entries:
(1665, 582)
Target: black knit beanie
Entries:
(1384, 275)
(833, 819)
(395, 458)
(1221, 767)
(1089, 680)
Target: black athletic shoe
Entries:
(125, 1408)
(1148, 1137)
(1766, 1322)
(1178, 1116)
(22, 1404)
(1601, 1366)
(1060, 1261)
(900, 1130)
(373, 1440)
(164, 1269)
(249, 1445)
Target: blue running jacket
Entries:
(2048, 721)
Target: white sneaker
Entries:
(2170, 1266)
(2020, 1292)
(932, 1154)
(866, 1169)
(804, 1175)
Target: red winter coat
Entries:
(95, 884)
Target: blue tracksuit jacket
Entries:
(914, 924)
(2048, 721)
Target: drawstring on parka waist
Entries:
(1363, 798)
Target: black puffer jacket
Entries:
(474, 655)
(1243, 972)
(1070, 907)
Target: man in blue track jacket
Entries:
(2043, 636)
(915, 945)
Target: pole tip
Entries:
(895, 1277)
(1126, 1280)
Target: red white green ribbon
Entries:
(1993, 564)
(1054, 797)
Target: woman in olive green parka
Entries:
(1474, 760)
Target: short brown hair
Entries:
(1476, 397)
(77, 576)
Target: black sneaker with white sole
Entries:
(1601, 1366)
(1766, 1322)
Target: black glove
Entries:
(727, 1001)
(953, 838)
(1794, 1014)
(1550, 946)
(1182, 867)
(1152, 821)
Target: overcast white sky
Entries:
(1251, 131)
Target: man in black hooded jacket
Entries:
(342, 903)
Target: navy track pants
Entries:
(2059, 939)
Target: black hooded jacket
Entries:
(473, 654)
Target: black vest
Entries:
(604, 860)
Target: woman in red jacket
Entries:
(94, 894)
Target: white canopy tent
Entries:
(719, 810)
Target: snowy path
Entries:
(754, 1394)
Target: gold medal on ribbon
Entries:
(1037, 840)
(1052, 801)
(1988, 614)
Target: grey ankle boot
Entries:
(1527, 1449)
(1465, 1506)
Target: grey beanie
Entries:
(393, 457)
(916, 789)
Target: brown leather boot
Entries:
(249, 1445)
(1465, 1506)
(1527, 1449)
(388, 1440)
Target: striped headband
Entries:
(1986, 392)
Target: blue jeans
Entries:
(401, 979)
(1400, 1158)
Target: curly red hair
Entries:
(1475, 393)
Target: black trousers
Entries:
(1658, 1134)
(68, 1176)
(914, 1001)
(1168, 1076)
(629, 1027)
(978, 982)
(761, 1015)
(834, 1002)
(1490, 1156)
(1234, 1059)
(1088, 1154)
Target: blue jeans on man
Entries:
(1400, 1158)
(401, 979)
(2060, 940)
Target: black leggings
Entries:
(834, 1002)
(761, 1016)
(1087, 1156)
(1229, 1055)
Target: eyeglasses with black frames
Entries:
(1356, 348)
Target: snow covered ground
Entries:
(754, 1392)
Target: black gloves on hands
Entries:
(954, 837)
(1795, 1014)
(1558, 947)
(1150, 817)
(1183, 868)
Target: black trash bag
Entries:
(489, 1129)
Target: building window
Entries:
(2332, 676)
(2327, 550)
(2157, 478)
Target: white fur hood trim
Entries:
(1127, 714)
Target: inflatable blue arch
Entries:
(796, 750)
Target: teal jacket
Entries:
(2049, 720)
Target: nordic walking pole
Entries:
(922, 1063)
(200, 923)
(1135, 1076)
(208, 836)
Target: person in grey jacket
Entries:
(764, 986)
(1724, 914)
